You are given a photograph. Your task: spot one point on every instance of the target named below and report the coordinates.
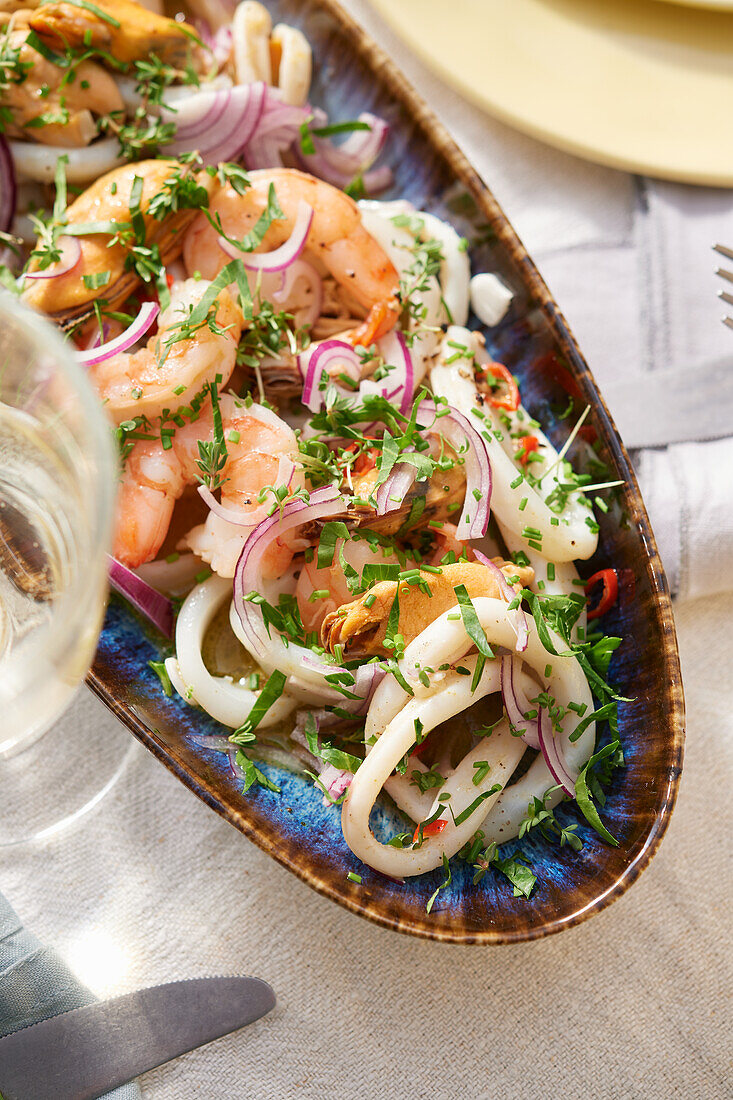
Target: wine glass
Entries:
(58, 477)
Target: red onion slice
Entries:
(318, 360)
(230, 515)
(516, 703)
(553, 754)
(148, 601)
(400, 382)
(301, 269)
(375, 181)
(468, 444)
(70, 249)
(8, 186)
(520, 624)
(366, 145)
(335, 781)
(237, 772)
(218, 124)
(145, 318)
(277, 131)
(280, 258)
(247, 576)
(280, 118)
(393, 350)
(340, 164)
(197, 114)
(244, 125)
(392, 493)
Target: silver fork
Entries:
(724, 295)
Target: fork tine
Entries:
(721, 248)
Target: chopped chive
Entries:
(161, 672)
(482, 769)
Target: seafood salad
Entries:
(360, 542)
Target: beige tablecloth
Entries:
(154, 886)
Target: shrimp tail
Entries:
(381, 318)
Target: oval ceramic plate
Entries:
(295, 828)
(634, 84)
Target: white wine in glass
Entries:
(58, 479)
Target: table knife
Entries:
(84, 1053)
(680, 405)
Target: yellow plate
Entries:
(635, 84)
(715, 5)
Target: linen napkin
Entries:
(36, 984)
(661, 281)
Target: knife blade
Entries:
(84, 1053)
(674, 406)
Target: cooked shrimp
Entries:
(320, 592)
(47, 91)
(265, 455)
(125, 30)
(336, 238)
(154, 479)
(169, 372)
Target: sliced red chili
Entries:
(609, 579)
(527, 444)
(431, 829)
(367, 460)
(510, 399)
(421, 746)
